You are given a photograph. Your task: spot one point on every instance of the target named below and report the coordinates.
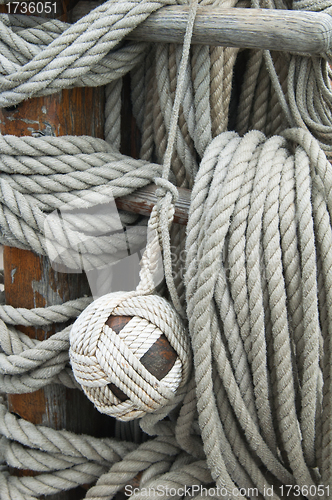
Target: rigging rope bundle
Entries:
(257, 411)
(108, 355)
(258, 281)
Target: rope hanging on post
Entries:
(106, 357)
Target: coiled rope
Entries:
(257, 284)
(258, 249)
(258, 240)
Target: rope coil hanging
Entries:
(256, 316)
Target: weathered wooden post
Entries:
(30, 280)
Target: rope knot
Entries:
(130, 353)
(165, 186)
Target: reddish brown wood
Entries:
(117, 322)
(158, 360)
(64, 113)
(30, 280)
(143, 200)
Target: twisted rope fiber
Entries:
(78, 172)
(41, 316)
(23, 39)
(261, 165)
(26, 233)
(97, 367)
(69, 451)
(28, 364)
(81, 46)
(256, 180)
(36, 486)
(251, 357)
(87, 53)
(193, 130)
(44, 449)
(301, 85)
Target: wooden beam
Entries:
(143, 200)
(283, 30)
(272, 29)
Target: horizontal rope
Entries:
(78, 172)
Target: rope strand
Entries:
(256, 257)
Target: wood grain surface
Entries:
(143, 200)
(284, 30)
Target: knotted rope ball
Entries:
(130, 353)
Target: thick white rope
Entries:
(75, 174)
(256, 428)
(97, 367)
(224, 233)
(301, 86)
(23, 38)
(27, 364)
(81, 46)
(41, 316)
(269, 174)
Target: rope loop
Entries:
(166, 186)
